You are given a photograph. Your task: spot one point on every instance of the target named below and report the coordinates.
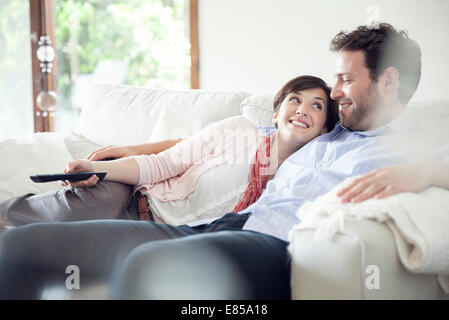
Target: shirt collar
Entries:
(383, 130)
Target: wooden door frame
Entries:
(194, 45)
(42, 122)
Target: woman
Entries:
(174, 182)
(232, 151)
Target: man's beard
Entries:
(363, 116)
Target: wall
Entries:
(257, 45)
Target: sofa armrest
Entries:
(343, 268)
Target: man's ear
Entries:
(389, 80)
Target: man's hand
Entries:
(382, 183)
(80, 166)
(110, 152)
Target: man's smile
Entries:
(343, 106)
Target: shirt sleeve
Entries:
(179, 158)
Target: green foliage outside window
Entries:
(149, 34)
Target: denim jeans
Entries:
(145, 260)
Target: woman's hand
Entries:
(80, 166)
(382, 183)
(111, 152)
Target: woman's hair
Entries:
(309, 82)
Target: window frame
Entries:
(42, 122)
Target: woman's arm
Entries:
(122, 152)
(382, 183)
(122, 170)
(154, 168)
(143, 169)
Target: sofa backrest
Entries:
(426, 115)
(126, 115)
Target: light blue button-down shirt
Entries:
(314, 170)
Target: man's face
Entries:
(355, 92)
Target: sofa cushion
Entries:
(199, 109)
(422, 130)
(428, 115)
(32, 154)
(80, 147)
(258, 109)
(125, 115)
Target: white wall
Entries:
(258, 45)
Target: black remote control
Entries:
(75, 176)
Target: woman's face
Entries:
(302, 116)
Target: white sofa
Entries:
(123, 115)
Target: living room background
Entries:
(251, 45)
(257, 45)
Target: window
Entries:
(16, 93)
(128, 42)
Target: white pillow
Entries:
(428, 116)
(173, 125)
(192, 111)
(38, 153)
(80, 147)
(259, 110)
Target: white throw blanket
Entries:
(419, 222)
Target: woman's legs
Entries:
(35, 256)
(106, 200)
(217, 265)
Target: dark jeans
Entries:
(144, 260)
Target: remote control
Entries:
(75, 176)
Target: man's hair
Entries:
(385, 47)
(304, 83)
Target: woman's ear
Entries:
(275, 118)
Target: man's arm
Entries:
(385, 182)
(122, 152)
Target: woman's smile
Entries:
(300, 123)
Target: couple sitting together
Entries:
(261, 183)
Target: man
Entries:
(241, 256)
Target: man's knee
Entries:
(179, 269)
(14, 243)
